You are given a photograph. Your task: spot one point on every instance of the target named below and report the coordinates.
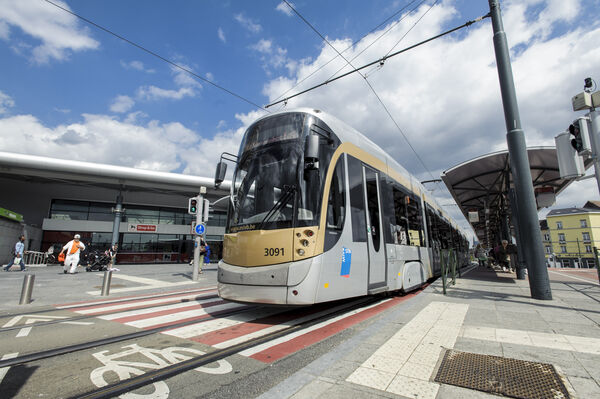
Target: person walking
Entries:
(73, 249)
(481, 255)
(502, 255)
(18, 255)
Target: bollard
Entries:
(106, 282)
(27, 289)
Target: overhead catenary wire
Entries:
(368, 83)
(354, 44)
(383, 59)
(158, 56)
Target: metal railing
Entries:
(35, 258)
(449, 264)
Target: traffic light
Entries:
(192, 205)
(576, 142)
(581, 139)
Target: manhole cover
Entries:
(508, 377)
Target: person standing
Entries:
(18, 254)
(206, 254)
(112, 252)
(73, 249)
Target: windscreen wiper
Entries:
(281, 202)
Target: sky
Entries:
(71, 90)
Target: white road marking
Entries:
(4, 370)
(148, 283)
(127, 299)
(137, 303)
(173, 317)
(573, 277)
(23, 332)
(288, 337)
(30, 319)
(135, 312)
(404, 364)
(532, 338)
(195, 330)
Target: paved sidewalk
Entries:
(400, 353)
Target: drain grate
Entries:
(508, 377)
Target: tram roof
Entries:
(40, 169)
(487, 179)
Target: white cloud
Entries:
(136, 65)
(101, 138)
(247, 23)
(6, 102)
(156, 93)
(445, 95)
(122, 104)
(263, 46)
(272, 56)
(282, 7)
(58, 31)
(221, 35)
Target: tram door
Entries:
(375, 238)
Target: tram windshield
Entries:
(270, 190)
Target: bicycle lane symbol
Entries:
(115, 363)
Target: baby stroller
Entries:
(98, 261)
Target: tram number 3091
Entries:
(274, 251)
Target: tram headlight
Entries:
(301, 252)
(304, 243)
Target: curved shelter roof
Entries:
(483, 183)
(37, 168)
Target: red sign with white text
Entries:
(146, 227)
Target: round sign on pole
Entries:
(200, 229)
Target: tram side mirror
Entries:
(220, 173)
(311, 152)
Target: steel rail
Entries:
(90, 316)
(108, 302)
(30, 357)
(137, 382)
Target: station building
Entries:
(569, 235)
(50, 200)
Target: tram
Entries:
(318, 212)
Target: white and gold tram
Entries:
(318, 212)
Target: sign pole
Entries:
(197, 239)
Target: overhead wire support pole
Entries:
(539, 282)
(380, 60)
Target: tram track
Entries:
(56, 308)
(90, 316)
(27, 358)
(130, 384)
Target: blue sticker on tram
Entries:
(346, 261)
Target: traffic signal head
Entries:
(193, 205)
(576, 142)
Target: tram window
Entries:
(336, 205)
(357, 200)
(387, 209)
(415, 221)
(401, 216)
(373, 205)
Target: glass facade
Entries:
(134, 247)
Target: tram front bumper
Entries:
(283, 284)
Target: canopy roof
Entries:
(483, 183)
